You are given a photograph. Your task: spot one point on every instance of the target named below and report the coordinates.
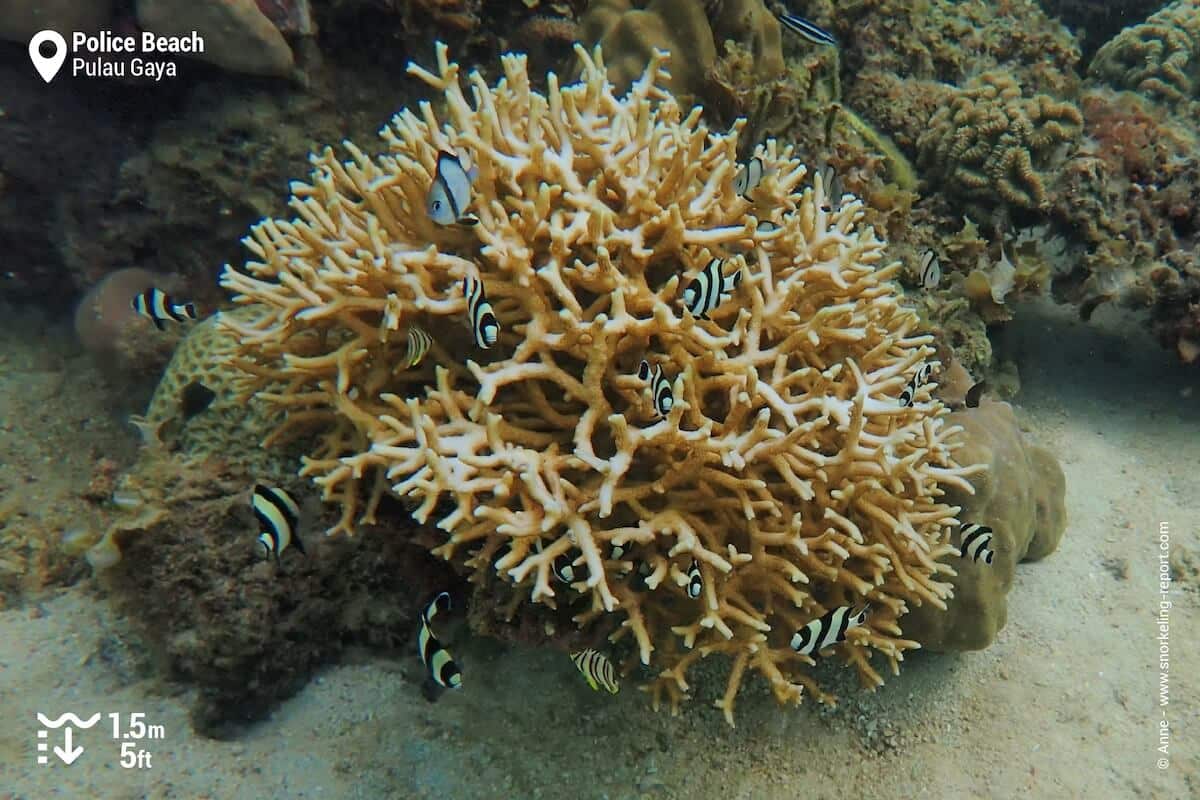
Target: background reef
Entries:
(1026, 124)
(1073, 158)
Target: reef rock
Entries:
(237, 36)
(1021, 498)
(630, 32)
(249, 632)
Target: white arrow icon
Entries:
(68, 754)
(48, 66)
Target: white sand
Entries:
(1063, 705)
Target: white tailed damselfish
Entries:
(708, 289)
(660, 387)
(436, 659)
(278, 515)
(450, 193)
(931, 270)
(484, 324)
(977, 543)
(748, 176)
(917, 380)
(695, 580)
(158, 307)
(827, 630)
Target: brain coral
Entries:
(228, 428)
(1160, 57)
(993, 144)
(786, 466)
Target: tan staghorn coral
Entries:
(997, 146)
(786, 466)
(1160, 57)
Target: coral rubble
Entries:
(786, 467)
(1021, 498)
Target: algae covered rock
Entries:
(1021, 498)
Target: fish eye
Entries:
(437, 205)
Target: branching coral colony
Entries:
(786, 467)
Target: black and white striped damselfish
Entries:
(827, 630)
(695, 580)
(278, 517)
(748, 176)
(484, 324)
(914, 383)
(419, 343)
(931, 270)
(977, 543)
(449, 194)
(436, 659)
(808, 30)
(158, 307)
(660, 387)
(708, 289)
(597, 669)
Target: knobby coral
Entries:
(993, 143)
(786, 469)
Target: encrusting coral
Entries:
(786, 467)
(995, 145)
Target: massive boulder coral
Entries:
(786, 470)
(993, 144)
(1021, 498)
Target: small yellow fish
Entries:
(597, 669)
(419, 343)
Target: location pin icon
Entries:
(48, 66)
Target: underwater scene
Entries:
(614, 399)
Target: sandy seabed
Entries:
(1065, 704)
